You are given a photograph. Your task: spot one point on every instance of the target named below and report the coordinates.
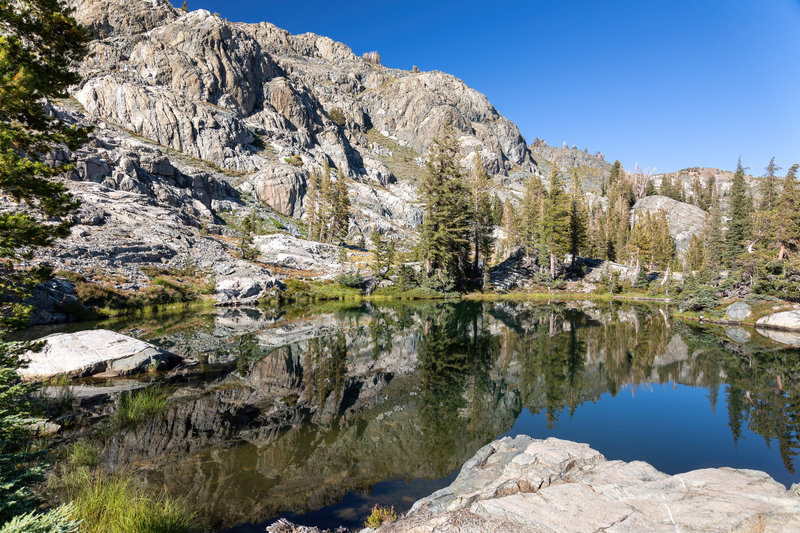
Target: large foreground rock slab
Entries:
(91, 352)
(525, 484)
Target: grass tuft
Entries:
(116, 504)
(135, 407)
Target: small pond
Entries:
(317, 415)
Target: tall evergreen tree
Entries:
(530, 216)
(739, 225)
(578, 219)
(340, 207)
(614, 175)
(324, 204)
(695, 255)
(787, 219)
(40, 43)
(713, 237)
(446, 224)
(510, 228)
(310, 203)
(482, 225)
(768, 187)
(555, 226)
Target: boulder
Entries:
(245, 290)
(526, 484)
(91, 352)
(738, 311)
(788, 320)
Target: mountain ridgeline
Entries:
(224, 148)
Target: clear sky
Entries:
(667, 84)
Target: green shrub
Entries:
(295, 160)
(380, 515)
(352, 278)
(337, 117)
(135, 407)
(59, 520)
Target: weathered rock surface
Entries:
(525, 484)
(91, 352)
(684, 220)
(785, 320)
(738, 311)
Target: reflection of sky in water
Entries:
(670, 426)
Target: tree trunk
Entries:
(552, 265)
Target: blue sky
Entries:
(667, 84)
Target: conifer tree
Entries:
(739, 225)
(497, 210)
(248, 226)
(713, 237)
(768, 187)
(383, 254)
(324, 205)
(555, 226)
(311, 205)
(340, 207)
(482, 225)
(530, 214)
(185, 6)
(710, 192)
(614, 175)
(695, 254)
(510, 229)
(787, 219)
(578, 219)
(446, 224)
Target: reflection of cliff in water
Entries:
(301, 411)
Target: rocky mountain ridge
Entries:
(199, 122)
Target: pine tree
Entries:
(530, 214)
(739, 226)
(555, 226)
(185, 6)
(578, 220)
(510, 229)
(340, 208)
(446, 224)
(311, 202)
(713, 237)
(40, 44)
(768, 187)
(787, 220)
(614, 175)
(248, 226)
(482, 225)
(695, 255)
(324, 205)
(380, 251)
(497, 210)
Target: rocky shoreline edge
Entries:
(526, 484)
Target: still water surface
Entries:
(319, 415)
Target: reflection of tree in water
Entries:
(454, 355)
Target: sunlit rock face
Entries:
(526, 484)
(290, 412)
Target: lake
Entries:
(318, 414)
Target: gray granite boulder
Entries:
(738, 311)
(789, 320)
(92, 352)
(525, 484)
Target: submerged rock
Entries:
(525, 484)
(91, 352)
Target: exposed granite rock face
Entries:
(525, 484)
(783, 327)
(738, 311)
(91, 352)
(684, 220)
